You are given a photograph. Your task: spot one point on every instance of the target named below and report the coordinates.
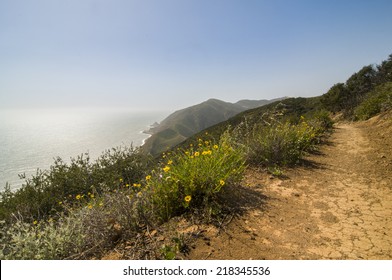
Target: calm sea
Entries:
(31, 139)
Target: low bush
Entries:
(276, 143)
(192, 178)
(378, 100)
(43, 194)
(89, 227)
(42, 240)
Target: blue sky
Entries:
(157, 54)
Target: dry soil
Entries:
(336, 206)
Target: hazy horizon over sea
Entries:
(32, 138)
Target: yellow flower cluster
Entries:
(80, 196)
(166, 168)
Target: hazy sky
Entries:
(175, 53)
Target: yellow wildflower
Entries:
(90, 206)
(204, 153)
(148, 177)
(216, 147)
(35, 222)
(121, 179)
(206, 142)
(169, 162)
(78, 197)
(92, 195)
(197, 154)
(166, 168)
(221, 182)
(188, 198)
(127, 185)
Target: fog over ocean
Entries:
(32, 138)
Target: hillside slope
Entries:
(338, 206)
(184, 123)
(282, 109)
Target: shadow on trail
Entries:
(311, 164)
(239, 199)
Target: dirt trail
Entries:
(338, 206)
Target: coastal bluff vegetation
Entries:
(184, 123)
(297, 178)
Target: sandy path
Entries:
(339, 206)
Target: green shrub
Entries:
(321, 121)
(276, 144)
(193, 177)
(378, 100)
(89, 228)
(42, 240)
(42, 195)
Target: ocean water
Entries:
(31, 139)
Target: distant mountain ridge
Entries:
(184, 123)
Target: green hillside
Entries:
(289, 109)
(362, 85)
(184, 123)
